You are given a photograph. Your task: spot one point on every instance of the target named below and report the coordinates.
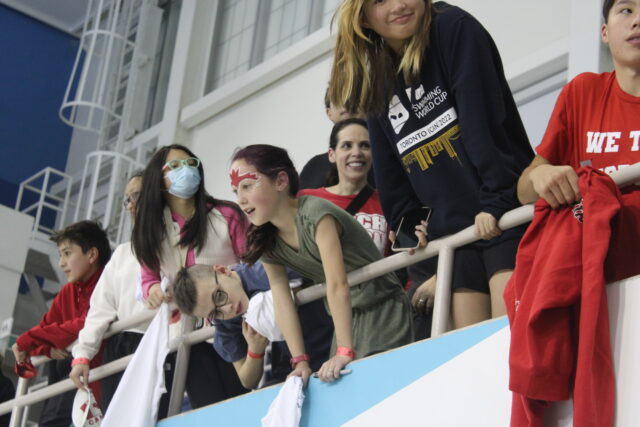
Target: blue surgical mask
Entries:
(184, 181)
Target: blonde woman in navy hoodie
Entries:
(445, 132)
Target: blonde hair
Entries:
(364, 66)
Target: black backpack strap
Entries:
(359, 200)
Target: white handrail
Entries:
(46, 197)
(444, 247)
(510, 219)
(98, 373)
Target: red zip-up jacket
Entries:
(557, 307)
(60, 325)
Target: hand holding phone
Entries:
(405, 236)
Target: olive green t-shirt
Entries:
(358, 250)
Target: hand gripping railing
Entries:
(21, 400)
(442, 247)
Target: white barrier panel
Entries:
(376, 383)
(458, 379)
(469, 390)
(624, 318)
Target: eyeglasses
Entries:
(219, 298)
(131, 198)
(194, 162)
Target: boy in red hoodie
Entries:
(84, 250)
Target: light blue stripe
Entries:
(372, 380)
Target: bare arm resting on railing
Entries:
(338, 295)
(250, 368)
(287, 317)
(594, 123)
(557, 185)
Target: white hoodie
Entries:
(114, 298)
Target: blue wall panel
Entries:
(35, 67)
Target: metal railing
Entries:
(443, 247)
(90, 100)
(104, 178)
(48, 198)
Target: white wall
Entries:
(290, 113)
(536, 114)
(521, 27)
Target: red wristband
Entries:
(253, 355)
(80, 361)
(302, 358)
(346, 351)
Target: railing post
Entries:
(19, 198)
(16, 414)
(442, 300)
(65, 205)
(94, 186)
(76, 215)
(181, 368)
(40, 203)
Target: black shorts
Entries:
(473, 265)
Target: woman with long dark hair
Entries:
(179, 224)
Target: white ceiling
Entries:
(65, 15)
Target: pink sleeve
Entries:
(237, 228)
(149, 278)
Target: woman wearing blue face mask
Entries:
(179, 224)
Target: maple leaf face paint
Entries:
(237, 177)
(255, 192)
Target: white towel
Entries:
(135, 402)
(286, 409)
(260, 316)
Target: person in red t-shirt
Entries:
(596, 123)
(84, 251)
(350, 154)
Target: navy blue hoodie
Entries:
(453, 140)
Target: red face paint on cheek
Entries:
(237, 177)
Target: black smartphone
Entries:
(406, 233)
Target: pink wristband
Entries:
(346, 351)
(80, 361)
(298, 359)
(253, 355)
